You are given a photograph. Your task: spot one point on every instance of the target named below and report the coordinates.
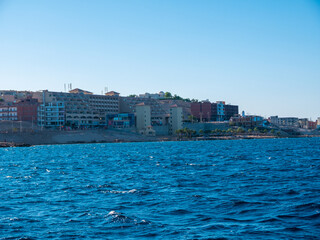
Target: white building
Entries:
(159, 95)
(285, 121)
(8, 113)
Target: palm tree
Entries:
(240, 130)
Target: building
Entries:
(51, 114)
(247, 121)
(143, 116)
(121, 120)
(159, 95)
(312, 125)
(230, 111)
(159, 116)
(82, 108)
(143, 120)
(304, 123)
(7, 98)
(8, 113)
(112, 93)
(78, 90)
(318, 123)
(285, 121)
(20, 110)
(186, 106)
(202, 110)
(219, 111)
(27, 109)
(13, 95)
(175, 119)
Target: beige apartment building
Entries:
(175, 120)
(82, 108)
(159, 116)
(143, 116)
(143, 119)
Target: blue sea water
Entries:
(241, 189)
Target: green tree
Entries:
(273, 131)
(192, 118)
(240, 130)
(230, 130)
(176, 97)
(250, 130)
(132, 95)
(256, 129)
(168, 95)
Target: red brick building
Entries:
(312, 125)
(27, 109)
(219, 111)
(201, 110)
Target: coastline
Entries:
(111, 136)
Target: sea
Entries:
(223, 189)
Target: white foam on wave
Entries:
(124, 192)
(113, 213)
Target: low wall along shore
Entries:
(78, 136)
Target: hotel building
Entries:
(81, 108)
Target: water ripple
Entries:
(248, 189)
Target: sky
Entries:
(261, 55)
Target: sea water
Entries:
(238, 189)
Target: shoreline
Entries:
(157, 139)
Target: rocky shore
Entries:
(12, 144)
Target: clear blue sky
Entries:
(262, 55)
